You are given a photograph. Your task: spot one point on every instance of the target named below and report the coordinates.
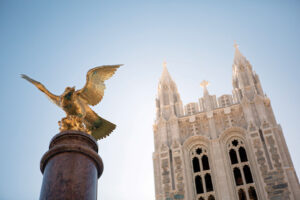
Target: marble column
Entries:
(71, 167)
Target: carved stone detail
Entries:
(275, 185)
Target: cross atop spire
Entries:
(204, 84)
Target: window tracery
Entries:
(204, 188)
(211, 197)
(240, 166)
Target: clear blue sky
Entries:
(56, 42)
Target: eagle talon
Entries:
(73, 122)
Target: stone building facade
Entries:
(225, 148)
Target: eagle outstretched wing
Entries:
(93, 90)
(55, 99)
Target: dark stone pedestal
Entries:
(71, 167)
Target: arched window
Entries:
(203, 181)
(233, 156)
(243, 155)
(196, 164)
(247, 174)
(242, 195)
(238, 176)
(208, 183)
(205, 163)
(199, 185)
(252, 193)
(241, 169)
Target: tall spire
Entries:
(168, 98)
(165, 74)
(165, 64)
(239, 58)
(245, 81)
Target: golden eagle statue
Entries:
(76, 103)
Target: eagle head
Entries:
(68, 92)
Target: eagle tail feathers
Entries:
(100, 128)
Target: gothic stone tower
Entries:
(226, 148)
